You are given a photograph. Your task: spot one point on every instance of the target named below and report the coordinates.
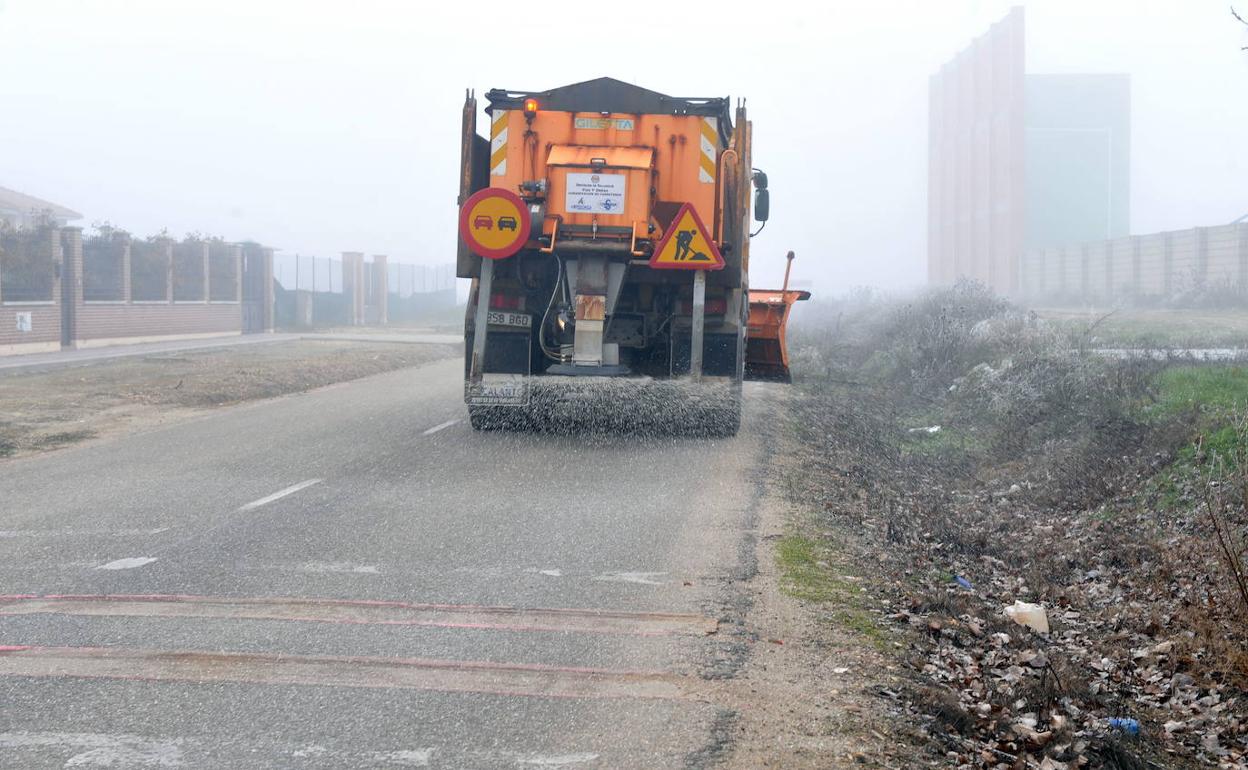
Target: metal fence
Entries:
(188, 271)
(103, 277)
(223, 278)
(407, 280)
(149, 270)
(310, 290)
(324, 274)
(307, 273)
(28, 265)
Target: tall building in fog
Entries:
(1019, 161)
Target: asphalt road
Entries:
(354, 578)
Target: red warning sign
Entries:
(686, 245)
(494, 223)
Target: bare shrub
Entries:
(1225, 491)
(977, 455)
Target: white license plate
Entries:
(498, 390)
(504, 318)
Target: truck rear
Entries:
(606, 231)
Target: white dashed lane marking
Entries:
(278, 495)
(442, 426)
(129, 563)
(641, 578)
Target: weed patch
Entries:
(1041, 486)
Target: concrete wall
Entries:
(1141, 267)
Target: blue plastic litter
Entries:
(963, 582)
(1125, 724)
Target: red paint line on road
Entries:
(355, 602)
(365, 612)
(511, 679)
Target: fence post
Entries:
(127, 290)
(1135, 265)
(381, 287)
(1202, 256)
(352, 286)
(167, 245)
(1085, 290)
(207, 262)
(1061, 271)
(1167, 264)
(1243, 258)
(268, 295)
(68, 290)
(236, 255)
(1107, 253)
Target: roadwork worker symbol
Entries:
(683, 239)
(686, 245)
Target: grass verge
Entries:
(813, 571)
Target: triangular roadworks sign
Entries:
(686, 245)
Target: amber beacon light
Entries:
(530, 107)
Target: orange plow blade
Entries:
(766, 356)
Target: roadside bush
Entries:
(932, 340)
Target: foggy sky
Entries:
(321, 127)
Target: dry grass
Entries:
(47, 410)
(1033, 489)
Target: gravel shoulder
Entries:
(808, 693)
(43, 411)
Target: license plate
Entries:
(498, 390)
(504, 318)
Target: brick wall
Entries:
(45, 333)
(103, 324)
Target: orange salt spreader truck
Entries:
(606, 230)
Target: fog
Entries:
(321, 127)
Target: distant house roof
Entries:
(25, 204)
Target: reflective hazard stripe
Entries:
(709, 139)
(498, 144)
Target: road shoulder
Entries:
(808, 693)
(43, 411)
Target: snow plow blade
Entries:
(766, 356)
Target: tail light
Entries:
(714, 306)
(502, 301)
